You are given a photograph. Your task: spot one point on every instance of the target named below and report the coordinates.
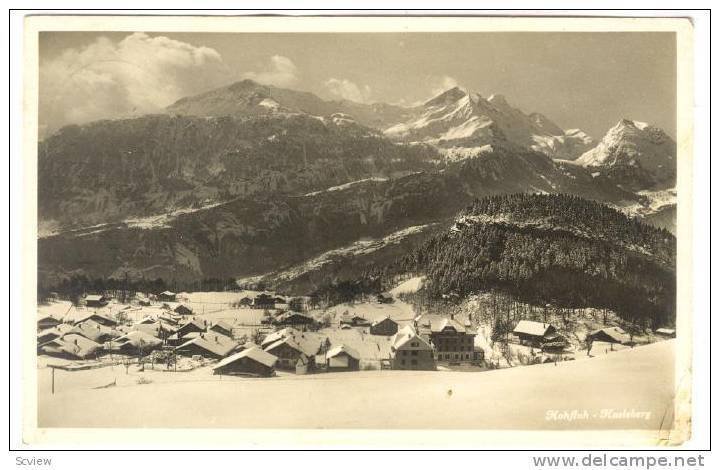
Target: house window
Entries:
(402, 361)
(456, 356)
(413, 353)
(404, 353)
(467, 356)
(414, 344)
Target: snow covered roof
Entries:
(532, 328)
(168, 293)
(194, 322)
(49, 334)
(136, 339)
(406, 334)
(71, 344)
(254, 353)
(665, 331)
(154, 328)
(276, 335)
(438, 323)
(615, 333)
(95, 297)
(219, 345)
(95, 316)
(341, 348)
(305, 347)
(93, 331)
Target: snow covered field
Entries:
(630, 389)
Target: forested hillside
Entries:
(555, 249)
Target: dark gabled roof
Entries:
(383, 319)
(222, 324)
(183, 307)
(287, 315)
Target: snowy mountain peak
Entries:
(457, 118)
(498, 100)
(635, 152)
(447, 97)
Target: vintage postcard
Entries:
(454, 231)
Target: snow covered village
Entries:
(277, 246)
(272, 343)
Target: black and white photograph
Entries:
(472, 229)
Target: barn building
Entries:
(613, 334)
(533, 333)
(95, 301)
(289, 351)
(295, 319)
(48, 321)
(167, 296)
(222, 328)
(184, 310)
(342, 358)
(208, 345)
(385, 326)
(252, 361)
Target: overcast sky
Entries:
(584, 80)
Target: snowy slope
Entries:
(630, 389)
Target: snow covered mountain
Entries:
(249, 98)
(636, 154)
(251, 179)
(458, 118)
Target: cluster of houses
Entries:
(546, 337)
(293, 342)
(289, 344)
